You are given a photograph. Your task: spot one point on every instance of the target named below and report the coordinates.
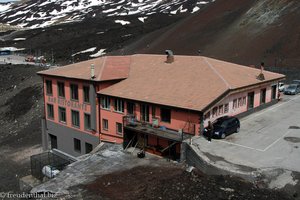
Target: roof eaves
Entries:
(219, 98)
(137, 100)
(230, 91)
(263, 82)
(69, 77)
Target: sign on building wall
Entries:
(67, 103)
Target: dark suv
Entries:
(224, 126)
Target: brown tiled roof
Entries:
(190, 82)
(106, 68)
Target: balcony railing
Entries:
(131, 123)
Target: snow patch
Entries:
(111, 10)
(11, 49)
(85, 51)
(19, 39)
(4, 7)
(101, 52)
(50, 12)
(128, 35)
(183, 10)
(195, 9)
(142, 19)
(44, 3)
(122, 22)
(203, 2)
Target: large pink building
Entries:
(152, 102)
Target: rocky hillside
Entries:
(72, 31)
(42, 13)
(245, 32)
(21, 108)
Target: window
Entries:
(215, 111)
(165, 115)
(153, 111)
(119, 105)
(226, 108)
(62, 114)
(88, 147)
(263, 96)
(50, 111)
(130, 108)
(221, 110)
(234, 105)
(273, 92)
(144, 113)
(86, 94)
(49, 87)
(53, 141)
(61, 89)
(87, 121)
(244, 100)
(105, 102)
(77, 145)
(119, 128)
(75, 118)
(240, 102)
(74, 91)
(207, 115)
(105, 124)
(250, 100)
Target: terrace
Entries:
(131, 124)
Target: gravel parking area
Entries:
(269, 138)
(267, 144)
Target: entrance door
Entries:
(250, 100)
(144, 113)
(274, 89)
(53, 141)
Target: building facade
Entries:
(144, 101)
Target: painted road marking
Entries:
(277, 140)
(240, 145)
(261, 150)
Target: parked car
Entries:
(296, 82)
(281, 87)
(292, 89)
(224, 126)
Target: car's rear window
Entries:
(221, 123)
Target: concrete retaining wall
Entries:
(200, 161)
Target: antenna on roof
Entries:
(92, 71)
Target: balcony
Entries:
(131, 124)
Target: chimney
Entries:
(92, 71)
(170, 56)
(262, 67)
(261, 76)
